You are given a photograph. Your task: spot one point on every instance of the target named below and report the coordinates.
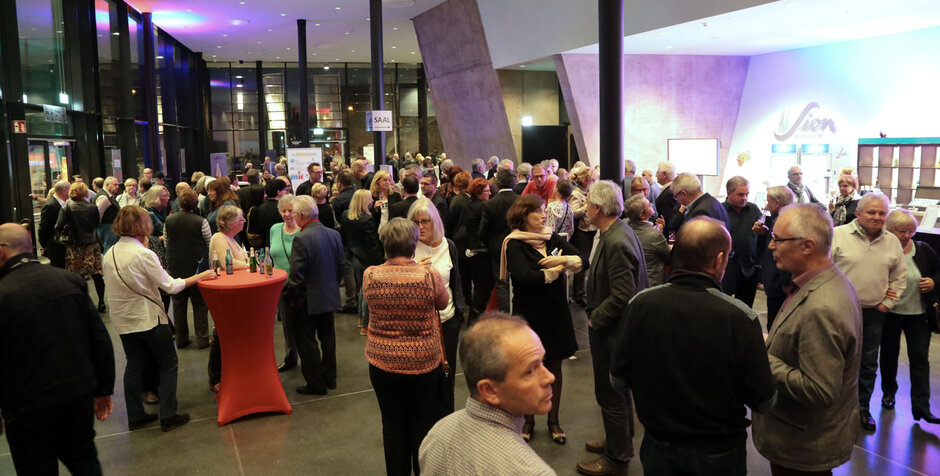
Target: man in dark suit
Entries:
(491, 166)
(524, 175)
(693, 202)
(478, 169)
(494, 229)
(312, 293)
(429, 190)
(266, 215)
(617, 272)
(360, 169)
(740, 279)
(345, 180)
(399, 209)
(47, 218)
(315, 171)
(57, 361)
(665, 202)
(250, 196)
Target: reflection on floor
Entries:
(340, 434)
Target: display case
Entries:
(897, 166)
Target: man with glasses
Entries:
(541, 184)
(687, 191)
(428, 185)
(814, 349)
(873, 260)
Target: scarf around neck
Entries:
(535, 240)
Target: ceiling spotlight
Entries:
(346, 33)
(239, 77)
(394, 27)
(218, 46)
(326, 68)
(668, 47)
(225, 35)
(349, 108)
(412, 52)
(270, 29)
(522, 66)
(337, 8)
(283, 14)
(241, 3)
(394, 47)
(316, 24)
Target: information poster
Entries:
(368, 152)
(116, 165)
(218, 164)
(297, 162)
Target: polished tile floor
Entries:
(340, 434)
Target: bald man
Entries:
(693, 367)
(56, 359)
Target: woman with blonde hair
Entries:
(383, 195)
(583, 236)
(320, 194)
(360, 231)
(83, 253)
(842, 208)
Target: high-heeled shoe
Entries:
(558, 435)
(527, 428)
(927, 417)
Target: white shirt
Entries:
(125, 200)
(440, 259)
(136, 305)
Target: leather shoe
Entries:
(887, 402)
(184, 344)
(596, 446)
(527, 427)
(867, 422)
(306, 390)
(601, 467)
(102, 308)
(558, 435)
(927, 417)
(203, 345)
(285, 366)
(146, 420)
(175, 421)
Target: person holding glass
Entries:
(134, 279)
(909, 316)
(441, 253)
(282, 235)
(535, 260)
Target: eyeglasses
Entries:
(425, 222)
(776, 239)
(539, 176)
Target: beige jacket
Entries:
(814, 350)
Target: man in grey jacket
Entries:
(814, 351)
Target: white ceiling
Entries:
(784, 25)
(337, 30)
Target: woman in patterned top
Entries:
(559, 216)
(403, 346)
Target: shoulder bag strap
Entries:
(440, 329)
(117, 270)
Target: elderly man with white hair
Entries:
(873, 260)
(665, 202)
(802, 193)
(693, 202)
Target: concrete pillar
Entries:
(464, 86)
(577, 76)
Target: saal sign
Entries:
(378, 121)
(810, 123)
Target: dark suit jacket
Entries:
(706, 205)
(362, 239)
(316, 268)
(477, 175)
(47, 219)
(341, 202)
(520, 187)
(743, 239)
(493, 226)
(442, 209)
(772, 277)
(400, 208)
(666, 206)
(250, 196)
(455, 218)
(617, 273)
(263, 218)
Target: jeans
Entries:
(616, 407)
(137, 345)
(40, 437)
(200, 316)
(873, 322)
(318, 370)
(666, 459)
(410, 406)
(918, 345)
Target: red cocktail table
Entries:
(243, 307)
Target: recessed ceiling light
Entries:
(225, 35)
(241, 3)
(663, 33)
(213, 56)
(239, 77)
(522, 66)
(412, 52)
(283, 14)
(367, 18)
(316, 24)
(394, 27)
(352, 51)
(394, 47)
(159, 57)
(218, 46)
(668, 47)
(327, 67)
(337, 8)
(346, 33)
(277, 57)
(288, 48)
(314, 54)
(337, 59)
(269, 29)
(239, 85)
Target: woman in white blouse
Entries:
(441, 253)
(133, 280)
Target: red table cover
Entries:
(243, 307)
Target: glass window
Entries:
(42, 51)
(136, 48)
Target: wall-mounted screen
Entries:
(695, 156)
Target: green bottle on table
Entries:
(229, 262)
(252, 262)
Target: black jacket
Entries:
(455, 219)
(400, 208)
(263, 218)
(53, 346)
(666, 205)
(743, 238)
(341, 203)
(47, 219)
(706, 205)
(185, 245)
(84, 219)
(693, 357)
(442, 209)
(493, 226)
(361, 238)
(929, 266)
(325, 211)
(772, 277)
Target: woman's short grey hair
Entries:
(152, 197)
(524, 170)
(810, 221)
(227, 215)
(781, 194)
(635, 207)
(899, 218)
(608, 196)
(481, 351)
(686, 182)
(285, 201)
(305, 207)
(426, 206)
(871, 197)
(399, 238)
(666, 168)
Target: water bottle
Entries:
(216, 266)
(252, 262)
(229, 262)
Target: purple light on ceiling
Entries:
(170, 20)
(215, 83)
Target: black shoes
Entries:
(348, 310)
(184, 344)
(927, 417)
(527, 427)
(101, 307)
(865, 419)
(146, 420)
(305, 390)
(286, 365)
(887, 402)
(175, 421)
(558, 435)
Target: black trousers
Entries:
(319, 370)
(582, 240)
(481, 273)
(215, 359)
(616, 407)
(466, 282)
(138, 346)
(451, 330)
(410, 406)
(734, 283)
(918, 346)
(200, 316)
(38, 438)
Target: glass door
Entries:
(49, 162)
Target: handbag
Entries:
(64, 236)
(445, 385)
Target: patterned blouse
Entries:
(560, 218)
(403, 335)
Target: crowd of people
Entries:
(419, 251)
